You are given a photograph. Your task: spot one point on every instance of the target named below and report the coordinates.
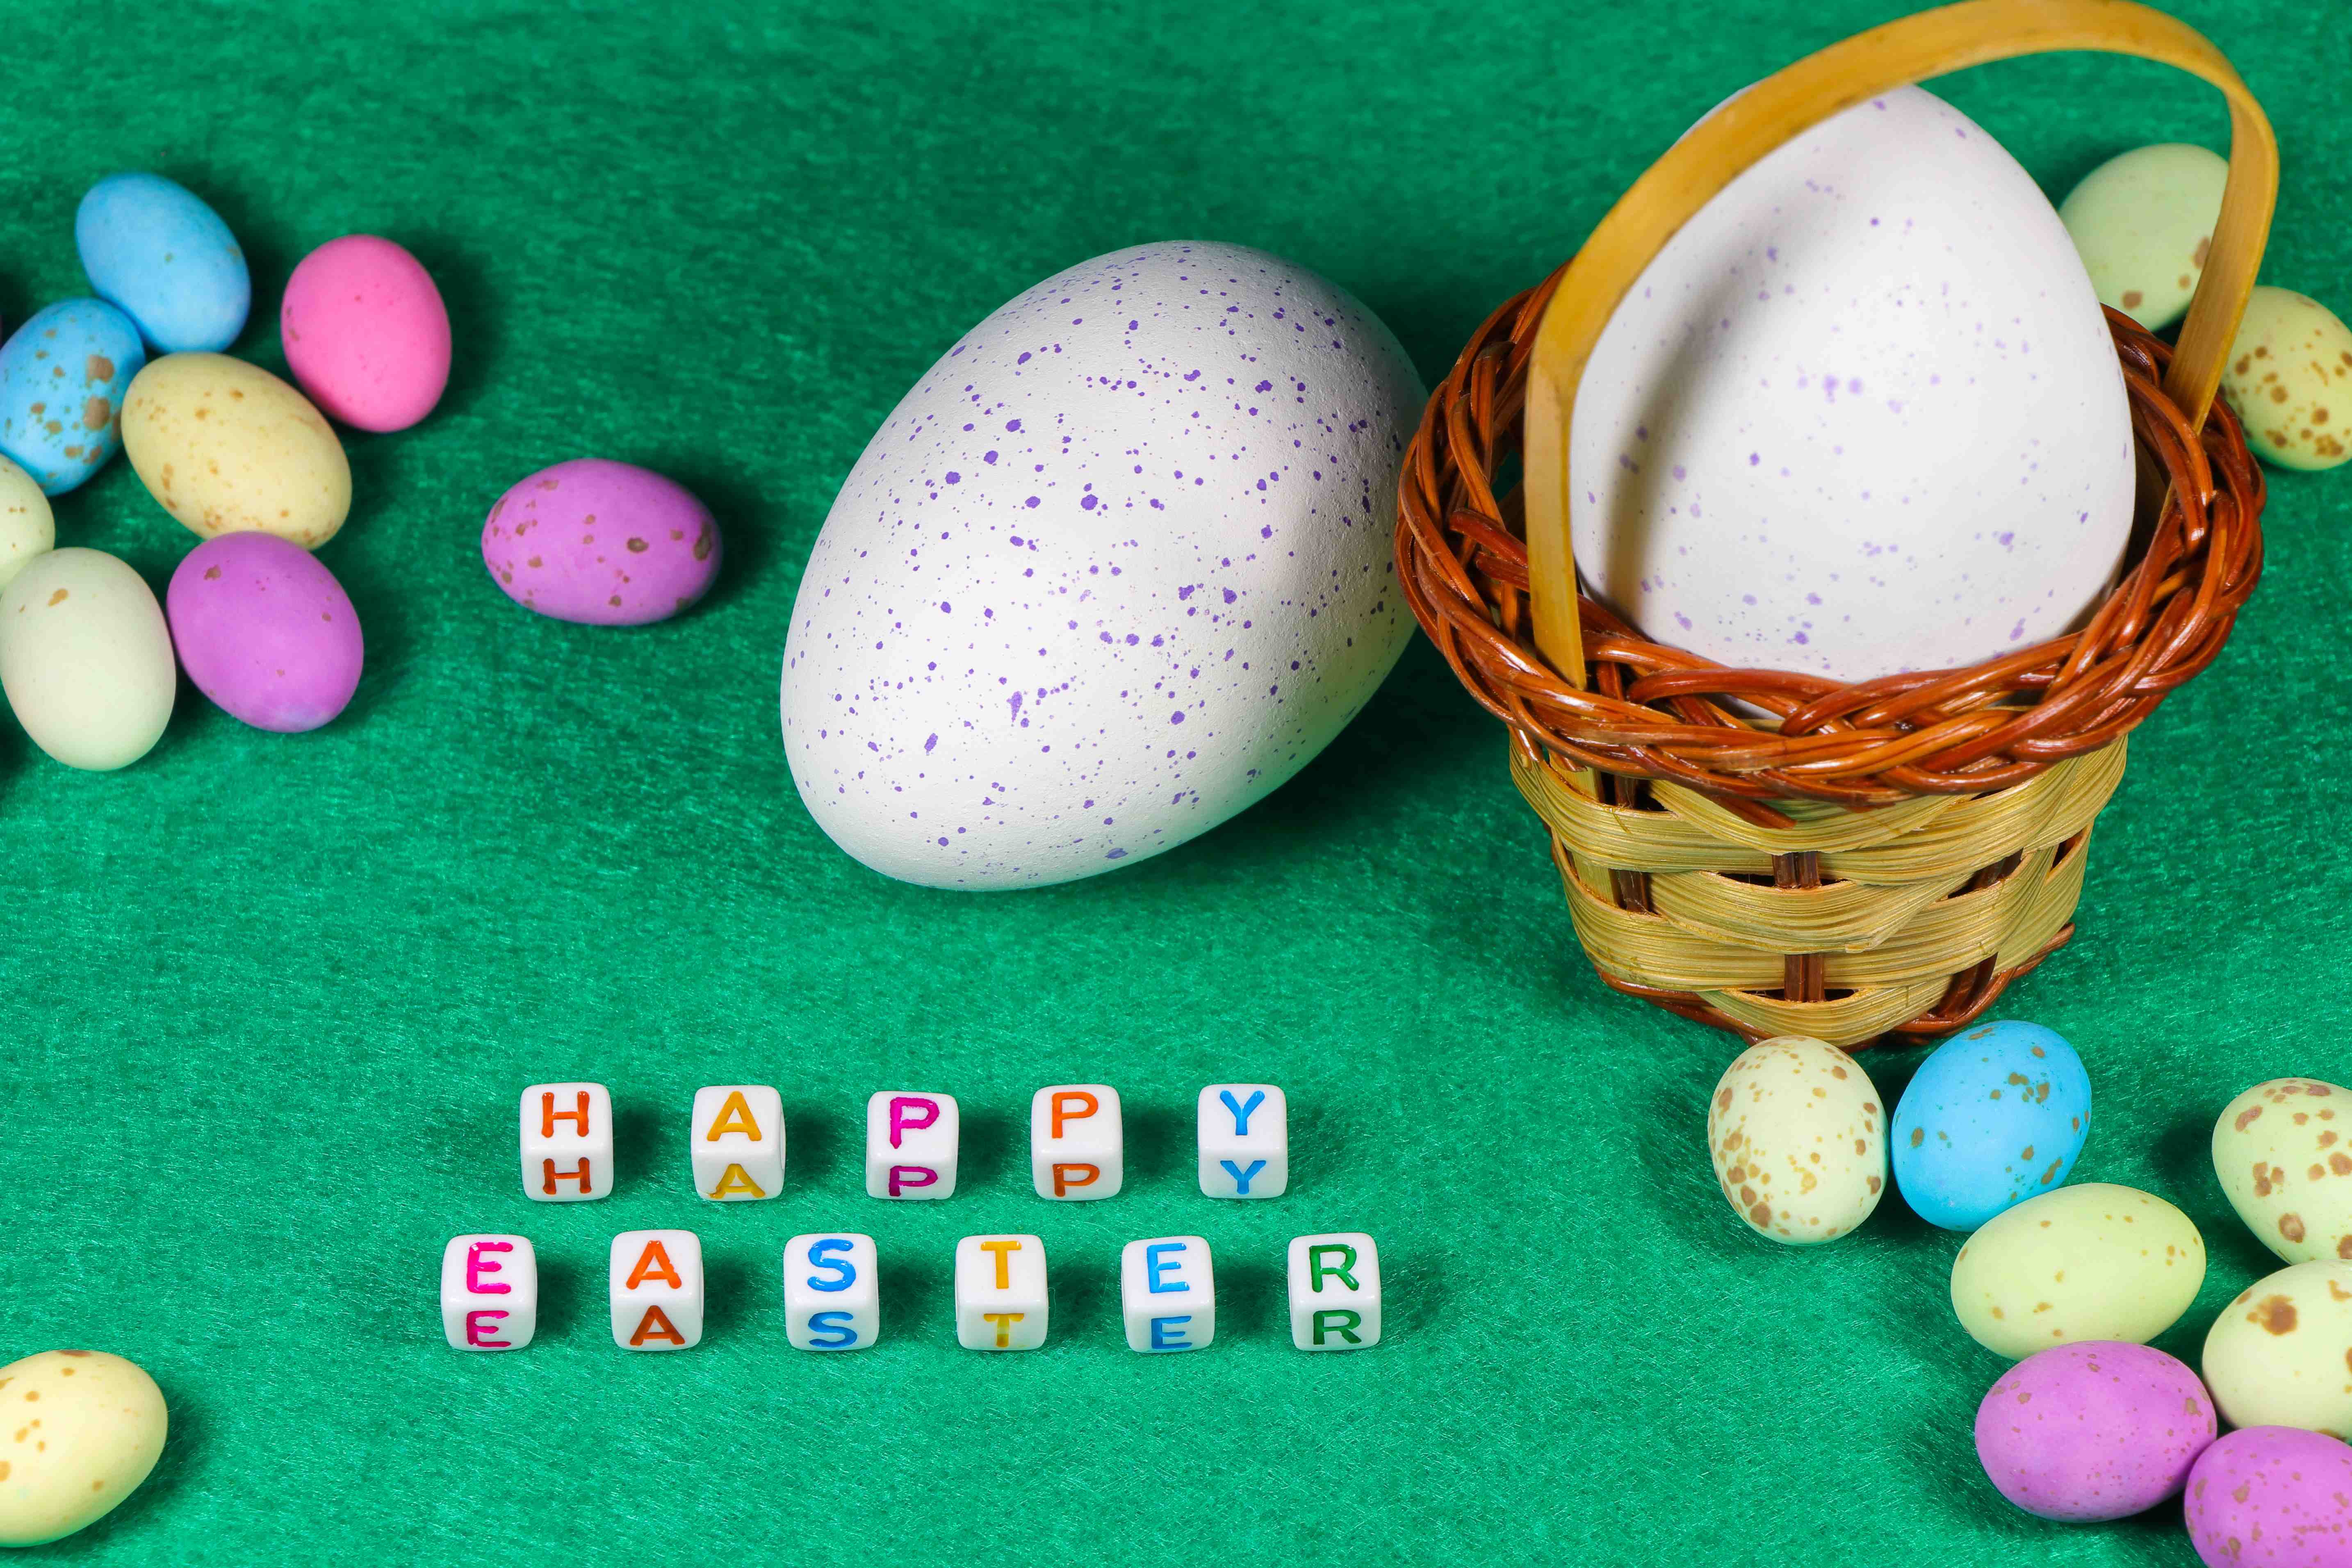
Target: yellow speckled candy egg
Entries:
(1798, 1140)
(2290, 380)
(78, 1431)
(2283, 1152)
(2088, 1262)
(227, 447)
(2142, 222)
(2281, 1355)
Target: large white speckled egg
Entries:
(1862, 415)
(1795, 1130)
(1117, 567)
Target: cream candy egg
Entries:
(2142, 222)
(86, 658)
(227, 447)
(2283, 1152)
(1862, 415)
(1115, 567)
(1795, 1130)
(88, 1429)
(2281, 1355)
(2088, 1262)
(2290, 380)
(28, 526)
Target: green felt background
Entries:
(267, 1001)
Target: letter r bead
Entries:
(1335, 1292)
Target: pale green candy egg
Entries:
(2281, 1355)
(78, 1431)
(26, 525)
(2142, 222)
(2290, 379)
(2089, 1262)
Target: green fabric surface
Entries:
(268, 1001)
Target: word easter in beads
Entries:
(1076, 1142)
(490, 1283)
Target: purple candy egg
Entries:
(2272, 1497)
(265, 631)
(2093, 1431)
(605, 543)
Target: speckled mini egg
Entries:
(78, 1431)
(264, 630)
(2290, 380)
(63, 377)
(1997, 1113)
(2281, 1355)
(2088, 1262)
(2093, 1431)
(599, 542)
(1861, 415)
(1118, 566)
(227, 447)
(27, 527)
(1794, 1131)
(2142, 222)
(154, 248)
(366, 333)
(2283, 1152)
(2272, 1497)
(86, 658)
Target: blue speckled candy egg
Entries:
(156, 250)
(1119, 565)
(62, 377)
(1995, 1115)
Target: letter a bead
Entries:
(737, 1142)
(657, 1289)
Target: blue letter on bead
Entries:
(837, 1323)
(1241, 1177)
(1175, 1341)
(817, 1259)
(1154, 1265)
(1241, 1112)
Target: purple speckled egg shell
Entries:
(2093, 1431)
(2272, 1497)
(264, 630)
(599, 542)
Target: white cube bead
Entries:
(910, 1144)
(567, 1142)
(1168, 1293)
(737, 1142)
(833, 1299)
(490, 1292)
(657, 1286)
(1000, 1292)
(1245, 1140)
(1335, 1291)
(1077, 1148)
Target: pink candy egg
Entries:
(2094, 1430)
(265, 631)
(605, 543)
(366, 334)
(2272, 1497)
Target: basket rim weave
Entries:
(1651, 710)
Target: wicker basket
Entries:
(1776, 853)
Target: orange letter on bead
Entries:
(1067, 1176)
(550, 1176)
(1004, 1321)
(549, 1116)
(655, 1323)
(653, 1263)
(735, 1116)
(1004, 1249)
(737, 1180)
(1076, 1097)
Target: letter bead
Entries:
(1000, 1292)
(490, 1292)
(1335, 1291)
(1168, 1294)
(737, 1142)
(910, 1144)
(1245, 1140)
(657, 1289)
(567, 1142)
(1077, 1144)
(832, 1300)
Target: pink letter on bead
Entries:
(899, 1122)
(477, 1266)
(906, 1176)
(478, 1332)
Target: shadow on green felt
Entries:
(477, 322)
(905, 1291)
(813, 1144)
(1156, 1137)
(560, 1289)
(747, 521)
(730, 1294)
(986, 1139)
(1252, 1299)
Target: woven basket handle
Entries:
(1784, 105)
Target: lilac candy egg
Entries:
(605, 543)
(264, 630)
(2093, 1431)
(2272, 1497)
